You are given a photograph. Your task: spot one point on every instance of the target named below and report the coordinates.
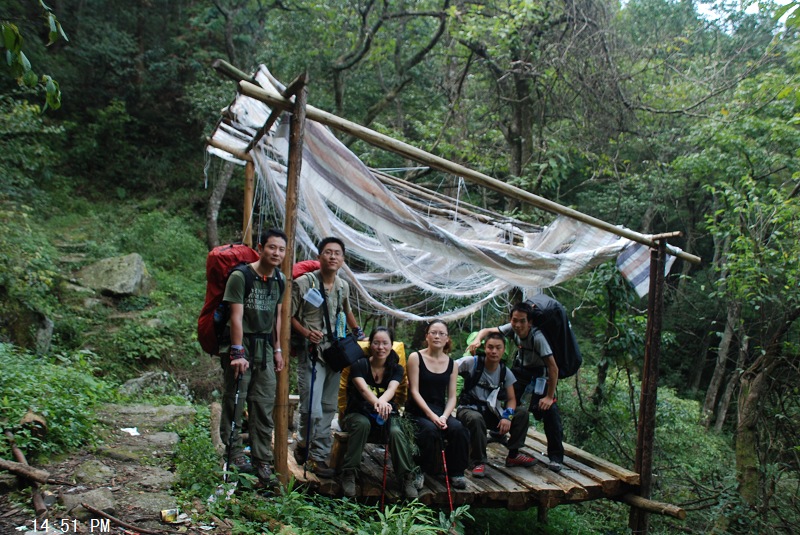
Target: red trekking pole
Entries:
(446, 475)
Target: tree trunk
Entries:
(731, 324)
(611, 331)
(755, 384)
(212, 212)
(725, 401)
(752, 391)
(697, 372)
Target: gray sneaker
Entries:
(555, 466)
(348, 481)
(419, 480)
(409, 486)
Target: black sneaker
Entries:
(555, 466)
(300, 455)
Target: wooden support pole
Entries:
(226, 69)
(230, 150)
(273, 98)
(658, 508)
(638, 519)
(281, 413)
(249, 196)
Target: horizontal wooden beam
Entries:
(230, 150)
(651, 506)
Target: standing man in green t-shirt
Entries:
(255, 354)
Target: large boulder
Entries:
(118, 277)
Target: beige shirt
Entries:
(308, 315)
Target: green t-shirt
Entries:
(259, 308)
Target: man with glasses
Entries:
(320, 301)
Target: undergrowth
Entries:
(61, 388)
(290, 509)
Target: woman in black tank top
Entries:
(432, 379)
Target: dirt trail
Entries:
(129, 475)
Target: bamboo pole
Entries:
(272, 98)
(281, 413)
(230, 150)
(249, 195)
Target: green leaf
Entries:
(29, 78)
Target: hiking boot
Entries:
(348, 481)
(458, 482)
(320, 469)
(555, 466)
(409, 486)
(264, 473)
(479, 470)
(419, 480)
(300, 454)
(242, 465)
(520, 460)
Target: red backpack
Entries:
(220, 263)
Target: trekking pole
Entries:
(233, 428)
(310, 399)
(385, 460)
(446, 475)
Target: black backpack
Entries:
(550, 317)
(472, 378)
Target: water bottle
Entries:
(525, 399)
(539, 386)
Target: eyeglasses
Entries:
(331, 253)
(437, 334)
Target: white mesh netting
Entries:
(396, 248)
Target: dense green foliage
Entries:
(62, 389)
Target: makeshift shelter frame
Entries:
(294, 101)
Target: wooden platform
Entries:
(584, 477)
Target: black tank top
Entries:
(432, 387)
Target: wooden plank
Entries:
(609, 484)
(623, 474)
(510, 487)
(507, 490)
